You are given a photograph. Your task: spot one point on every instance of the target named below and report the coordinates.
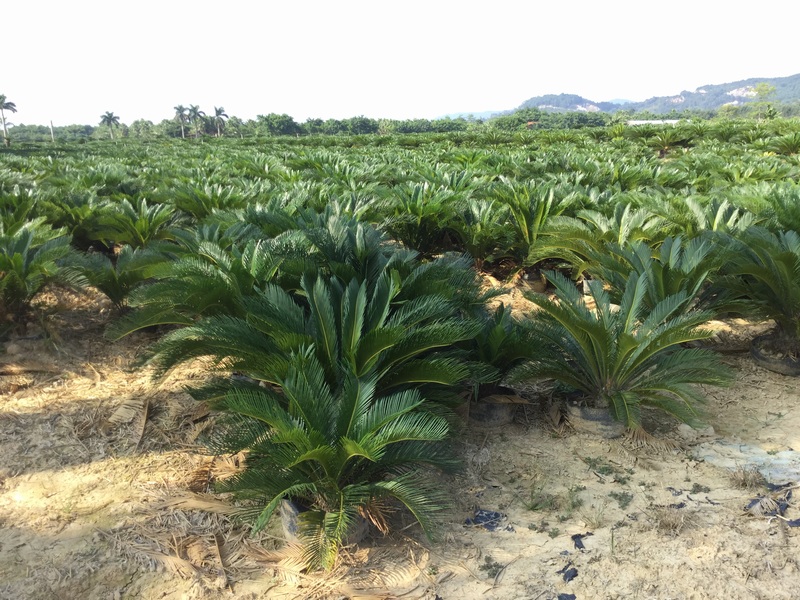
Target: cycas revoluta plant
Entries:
(501, 345)
(205, 277)
(77, 211)
(211, 277)
(625, 224)
(624, 357)
(135, 224)
(783, 207)
(351, 328)
(532, 210)
(119, 277)
(418, 215)
(575, 238)
(479, 226)
(762, 278)
(693, 215)
(31, 257)
(341, 451)
(675, 266)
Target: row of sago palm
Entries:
(350, 349)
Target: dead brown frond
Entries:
(761, 507)
(228, 466)
(134, 411)
(639, 438)
(201, 478)
(747, 478)
(189, 502)
(671, 521)
(153, 556)
(557, 419)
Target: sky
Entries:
(71, 61)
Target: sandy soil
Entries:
(102, 493)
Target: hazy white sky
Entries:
(70, 61)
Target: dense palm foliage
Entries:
(329, 283)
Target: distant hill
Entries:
(707, 97)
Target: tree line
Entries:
(192, 122)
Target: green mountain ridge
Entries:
(706, 97)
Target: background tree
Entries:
(180, 116)
(238, 127)
(5, 105)
(276, 124)
(361, 125)
(196, 118)
(314, 126)
(141, 128)
(528, 118)
(219, 119)
(763, 106)
(110, 120)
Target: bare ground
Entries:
(102, 493)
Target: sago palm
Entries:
(532, 210)
(624, 357)
(352, 329)
(117, 278)
(762, 277)
(341, 452)
(201, 279)
(675, 266)
(135, 223)
(31, 257)
(418, 213)
(479, 226)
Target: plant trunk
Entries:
(183, 132)
(5, 129)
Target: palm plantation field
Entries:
(197, 330)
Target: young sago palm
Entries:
(31, 257)
(762, 278)
(136, 224)
(212, 278)
(340, 451)
(353, 330)
(675, 266)
(118, 278)
(624, 357)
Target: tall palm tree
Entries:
(180, 117)
(5, 105)
(111, 120)
(219, 119)
(195, 116)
